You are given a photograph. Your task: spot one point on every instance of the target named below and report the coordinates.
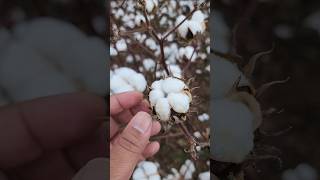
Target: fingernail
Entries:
(141, 122)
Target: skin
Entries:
(53, 137)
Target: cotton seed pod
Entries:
(163, 109)
(171, 85)
(179, 102)
(154, 96)
(183, 28)
(232, 129)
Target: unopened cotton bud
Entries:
(179, 102)
(154, 96)
(171, 85)
(163, 109)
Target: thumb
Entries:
(127, 149)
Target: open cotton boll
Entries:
(187, 169)
(204, 176)
(225, 75)
(138, 82)
(125, 72)
(149, 64)
(139, 19)
(196, 27)
(306, 172)
(163, 109)
(121, 45)
(48, 35)
(146, 170)
(172, 85)
(157, 84)
(183, 28)
(154, 96)
(198, 16)
(113, 51)
(232, 129)
(179, 102)
(175, 70)
(116, 82)
(151, 5)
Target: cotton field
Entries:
(161, 48)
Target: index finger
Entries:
(124, 101)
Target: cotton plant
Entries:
(236, 112)
(146, 170)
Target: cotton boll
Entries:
(139, 19)
(124, 72)
(150, 5)
(171, 85)
(232, 131)
(157, 84)
(187, 169)
(138, 82)
(163, 109)
(154, 96)
(183, 28)
(196, 27)
(290, 175)
(48, 35)
(121, 45)
(179, 102)
(175, 70)
(116, 82)
(146, 170)
(149, 64)
(306, 172)
(198, 16)
(204, 176)
(22, 59)
(225, 75)
(113, 51)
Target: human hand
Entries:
(131, 145)
(51, 138)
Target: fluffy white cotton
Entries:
(157, 84)
(171, 85)
(301, 172)
(154, 96)
(125, 79)
(121, 45)
(225, 74)
(163, 109)
(188, 53)
(203, 117)
(179, 102)
(139, 19)
(232, 128)
(146, 170)
(151, 5)
(183, 28)
(149, 64)
(204, 175)
(187, 169)
(113, 51)
(198, 16)
(175, 70)
(138, 82)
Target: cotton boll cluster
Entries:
(169, 94)
(301, 172)
(190, 28)
(146, 170)
(125, 79)
(236, 114)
